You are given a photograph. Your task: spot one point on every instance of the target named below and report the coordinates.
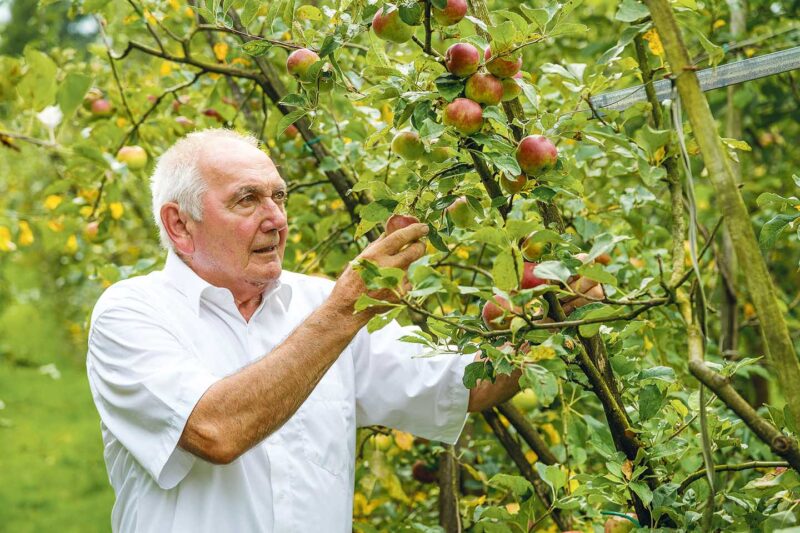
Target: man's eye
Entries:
(279, 196)
(250, 198)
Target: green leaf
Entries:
(38, 86)
(598, 273)
(663, 373)
(504, 271)
(590, 330)
(439, 4)
(72, 91)
(631, 11)
(650, 400)
(449, 86)
(542, 381)
(256, 48)
(473, 372)
(329, 45)
(503, 36)
(643, 491)
(490, 235)
(552, 475)
(552, 270)
(289, 119)
(411, 14)
(516, 484)
(772, 229)
(379, 321)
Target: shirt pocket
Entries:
(324, 434)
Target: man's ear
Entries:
(177, 223)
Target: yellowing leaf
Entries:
(654, 42)
(166, 68)
(121, 122)
(117, 209)
(531, 456)
(25, 233)
(539, 353)
(462, 253)
(85, 211)
(220, 51)
(6, 244)
(337, 204)
(512, 508)
(52, 201)
(719, 23)
(55, 225)
(403, 440)
(551, 433)
(150, 18)
(387, 113)
(189, 12)
(175, 5)
(658, 157)
(72, 244)
(308, 12)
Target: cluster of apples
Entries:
(389, 25)
(496, 85)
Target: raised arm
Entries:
(239, 411)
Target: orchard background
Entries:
(679, 215)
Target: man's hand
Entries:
(398, 249)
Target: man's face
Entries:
(239, 244)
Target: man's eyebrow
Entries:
(255, 189)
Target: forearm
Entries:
(239, 411)
(486, 394)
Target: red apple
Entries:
(484, 89)
(511, 88)
(408, 145)
(459, 212)
(504, 66)
(133, 156)
(618, 524)
(536, 155)
(529, 279)
(423, 472)
(498, 315)
(299, 63)
(92, 95)
(390, 27)
(213, 113)
(397, 222)
(513, 185)
(291, 132)
(91, 229)
(101, 108)
(464, 115)
(462, 59)
(451, 14)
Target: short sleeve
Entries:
(397, 386)
(145, 385)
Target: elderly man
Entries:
(229, 390)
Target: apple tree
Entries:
(669, 400)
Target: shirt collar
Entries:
(192, 286)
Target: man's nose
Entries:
(273, 215)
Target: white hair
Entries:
(177, 176)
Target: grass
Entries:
(51, 453)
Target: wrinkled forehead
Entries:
(227, 162)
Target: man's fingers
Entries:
(583, 285)
(408, 255)
(394, 242)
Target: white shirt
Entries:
(157, 343)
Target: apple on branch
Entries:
(299, 62)
(388, 25)
(502, 66)
(536, 155)
(397, 222)
(408, 145)
(465, 115)
(511, 88)
(484, 88)
(452, 13)
(133, 156)
(462, 60)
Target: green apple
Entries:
(133, 156)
